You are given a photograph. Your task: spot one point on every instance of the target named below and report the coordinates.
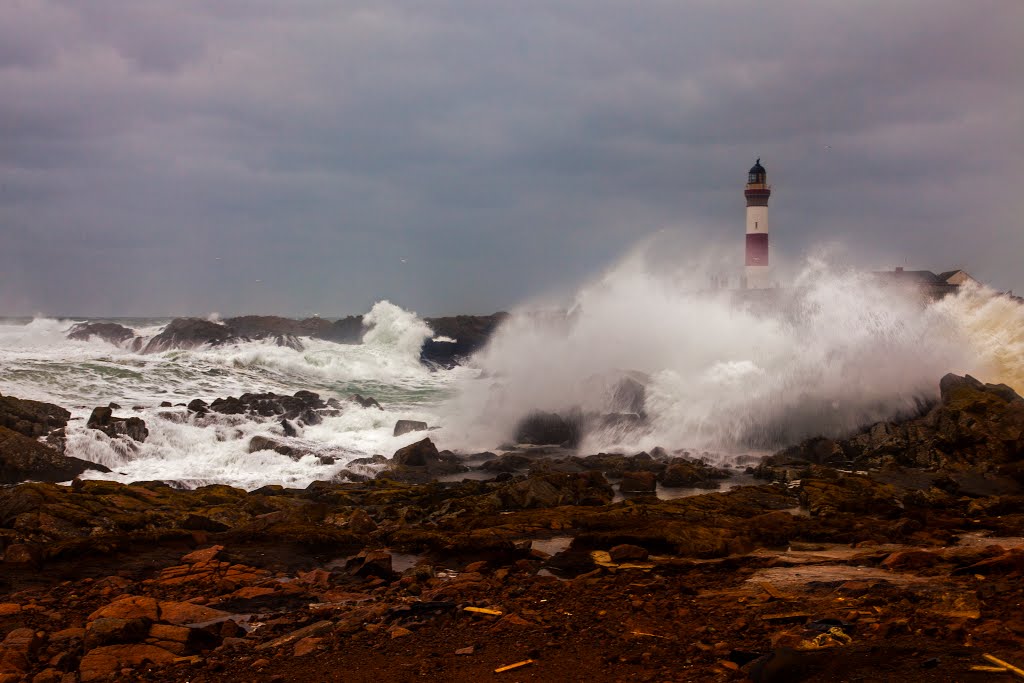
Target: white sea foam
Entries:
(731, 371)
(38, 362)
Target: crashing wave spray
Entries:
(736, 370)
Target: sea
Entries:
(723, 376)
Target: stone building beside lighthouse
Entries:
(757, 272)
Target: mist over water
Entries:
(733, 371)
(722, 370)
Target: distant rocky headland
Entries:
(455, 337)
(894, 554)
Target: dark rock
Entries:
(629, 396)
(303, 405)
(23, 459)
(690, 474)
(266, 443)
(541, 428)
(109, 332)
(348, 330)
(510, 462)
(371, 563)
(406, 426)
(552, 489)
(190, 333)
(638, 482)
(366, 401)
(110, 630)
(419, 454)
(289, 428)
(197, 405)
(102, 419)
(31, 418)
(469, 332)
(272, 326)
(626, 552)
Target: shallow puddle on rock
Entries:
(975, 539)
(399, 561)
(805, 574)
(553, 545)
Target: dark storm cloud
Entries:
(161, 157)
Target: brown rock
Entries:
(112, 630)
(638, 482)
(48, 676)
(910, 560)
(204, 555)
(625, 552)
(103, 662)
(9, 608)
(188, 613)
(361, 523)
(307, 646)
(129, 607)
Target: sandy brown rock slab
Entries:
(103, 662)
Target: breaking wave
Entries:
(736, 370)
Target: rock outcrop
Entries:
(109, 332)
(976, 430)
(31, 418)
(469, 334)
(102, 419)
(25, 459)
(190, 333)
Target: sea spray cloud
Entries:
(735, 370)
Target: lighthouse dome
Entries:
(757, 168)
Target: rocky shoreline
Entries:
(895, 554)
(455, 337)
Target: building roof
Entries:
(918, 277)
(757, 167)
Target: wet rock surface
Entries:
(894, 573)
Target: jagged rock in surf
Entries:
(541, 428)
(190, 333)
(406, 426)
(31, 418)
(349, 330)
(109, 332)
(366, 401)
(976, 430)
(272, 326)
(420, 462)
(294, 449)
(638, 482)
(102, 419)
(304, 406)
(682, 473)
(25, 459)
(469, 334)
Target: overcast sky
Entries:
(269, 156)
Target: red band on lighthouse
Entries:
(757, 249)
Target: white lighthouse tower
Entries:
(758, 272)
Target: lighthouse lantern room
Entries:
(758, 272)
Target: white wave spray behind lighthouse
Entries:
(732, 370)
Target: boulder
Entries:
(540, 428)
(190, 333)
(682, 473)
(638, 482)
(112, 630)
(366, 401)
(275, 327)
(102, 419)
(31, 418)
(406, 426)
(420, 454)
(468, 334)
(626, 552)
(108, 332)
(552, 489)
(103, 662)
(304, 406)
(25, 459)
(349, 330)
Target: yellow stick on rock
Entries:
(482, 610)
(509, 667)
(1009, 667)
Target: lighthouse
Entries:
(758, 272)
